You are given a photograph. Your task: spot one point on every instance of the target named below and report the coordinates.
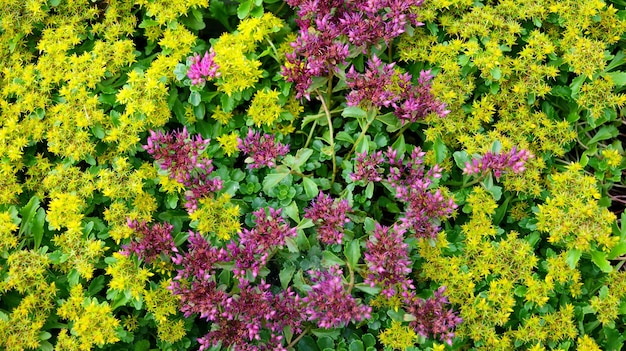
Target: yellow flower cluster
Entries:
(162, 303)
(264, 108)
(217, 216)
(238, 69)
(7, 227)
(229, 143)
(127, 276)
(398, 336)
(571, 215)
(93, 323)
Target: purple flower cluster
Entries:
(388, 261)
(368, 168)
(330, 216)
(245, 314)
(499, 163)
(202, 68)
(262, 150)
(424, 207)
(182, 156)
(256, 245)
(329, 27)
(432, 317)
(380, 86)
(151, 241)
(329, 303)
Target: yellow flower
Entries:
(398, 337)
(221, 116)
(229, 143)
(264, 108)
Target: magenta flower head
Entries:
(499, 163)
(151, 241)
(330, 216)
(433, 317)
(262, 149)
(388, 261)
(202, 68)
(329, 303)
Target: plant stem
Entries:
(332, 135)
(361, 136)
(310, 136)
(273, 49)
(295, 341)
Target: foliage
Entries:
(312, 175)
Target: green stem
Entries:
(332, 135)
(273, 49)
(401, 130)
(351, 282)
(361, 136)
(295, 341)
(310, 136)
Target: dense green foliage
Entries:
(529, 247)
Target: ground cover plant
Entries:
(312, 175)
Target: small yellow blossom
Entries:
(398, 337)
(229, 143)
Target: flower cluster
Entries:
(255, 246)
(381, 86)
(424, 207)
(202, 68)
(513, 160)
(433, 317)
(330, 216)
(387, 260)
(151, 241)
(262, 149)
(329, 303)
(320, 46)
(182, 156)
(368, 167)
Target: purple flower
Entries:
(329, 303)
(262, 150)
(368, 167)
(388, 261)
(200, 259)
(182, 156)
(499, 163)
(374, 86)
(202, 68)
(151, 242)
(329, 216)
(432, 317)
(254, 247)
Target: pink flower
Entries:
(202, 68)
(329, 216)
(499, 163)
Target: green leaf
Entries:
(496, 73)
(366, 288)
(356, 345)
(441, 151)
(606, 132)
(142, 345)
(195, 98)
(399, 145)
(325, 342)
(307, 344)
(343, 136)
(618, 78)
(617, 251)
(96, 285)
(37, 227)
(572, 257)
(576, 84)
(460, 158)
(330, 259)
(292, 211)
(273, 179)
(369, 340)
(310, 188)
(285, 275)
(599, 259)
(244, 9)
(354, 112)
(352, 251)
